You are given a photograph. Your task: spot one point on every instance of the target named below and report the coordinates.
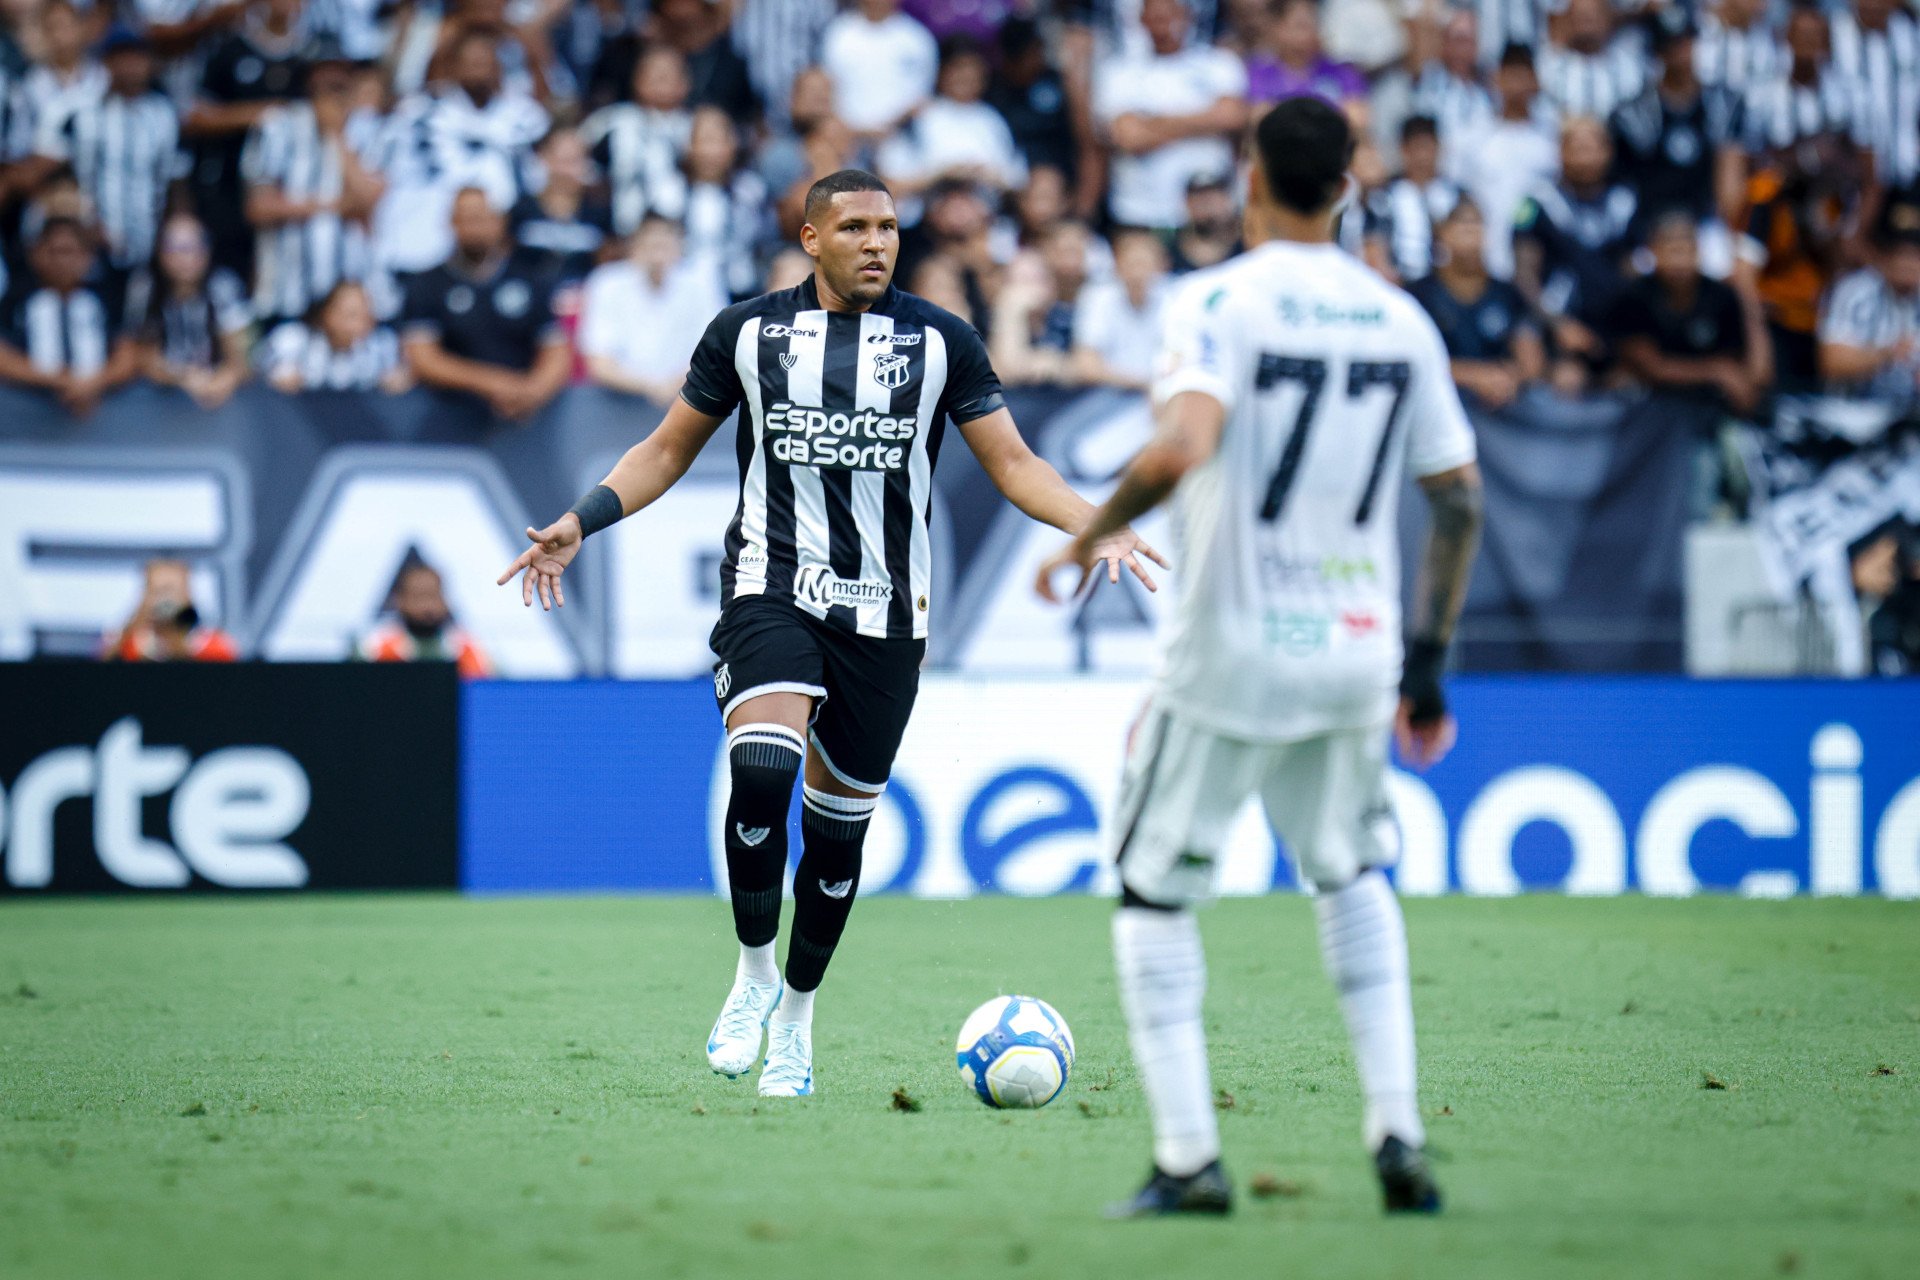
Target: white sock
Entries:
(795, 1006)
(1363, 940)
(1163, 975)
(757, 964)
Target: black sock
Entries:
(832, 829)
(763, 759)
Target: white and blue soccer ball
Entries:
(1015, 1051)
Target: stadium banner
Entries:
(296, 513)
(170, 778)
(1571, 784)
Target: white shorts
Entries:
(1325, 795)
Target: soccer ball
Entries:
(1015, 1051)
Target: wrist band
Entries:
(1420, 680)
(599, 508)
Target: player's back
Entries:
(1335, 384)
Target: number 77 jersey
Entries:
(1336, 386)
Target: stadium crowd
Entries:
(1718, 198)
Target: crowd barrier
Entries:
(279, 777)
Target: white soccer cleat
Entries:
(789, 1069)
(734, 1044)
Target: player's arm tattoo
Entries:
(1457, 511)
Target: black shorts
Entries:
(863, 689)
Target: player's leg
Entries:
(767, 683)
(1181, 789)
(853, 743)
(1327, 797)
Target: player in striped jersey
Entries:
(844, 385)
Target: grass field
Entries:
(433, 1086)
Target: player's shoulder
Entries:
(912, 309)
(729, 320)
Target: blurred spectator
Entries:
(1893, 629)
(1033, 209)
(1289, 62)
(1572, 241)
(716, 73)
(1680, 331)
(422, 628)
(568, 222)
(1802, 202)
(975, 19)
(637, 145)
(1807, 97)
(641, 317)
(1032, 97)
(432, 39)
(339, 348)
(958, 227)
(469, 131)
(1407, 208)
(248, 70)
(192, 318)
(1033, 319)
(783, 162)
(726, 210)
(1116, 324)
(1514, 154)
(882, 63)
(1169, 113)
(954, 134)
(1869, 337)
(62, 80)
(311, 189)
(1448, 87)
(59, 333)
(1588, 70)
(1738, 48)
(1211, 233)
(940, 280)
(790, 268)
(778, 38)
(166, 626)
(482, 322)
(1876, 50)
(1491, 340)
(1677, 144)
(122, 145)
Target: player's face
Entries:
(855, 245)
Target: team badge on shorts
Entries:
(722, 680)
(890, 371)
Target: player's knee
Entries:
(763, 761)
(835, 827)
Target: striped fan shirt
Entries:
(298, 262)
(639, 150)
(1740, 58)
(321, 366)
(1883, 69)
(1784, 112)
(778, 39)
(74, 331)
(125, 152)
(841, 426)
(1592, 84)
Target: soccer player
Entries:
(1296, 387)
(845, 384)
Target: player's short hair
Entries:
(1305, 146)
(845, 182)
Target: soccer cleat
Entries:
(1207, 1191)
(1405, 1181)
(733, 1046)
(789, 1069)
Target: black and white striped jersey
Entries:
(1882, 67)
(125, 151)
(298, 262)
(1591, 84)
(72, 332)
(841, 418)
(1740, 58)
(189, 332)
(639, 150)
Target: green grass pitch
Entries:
(435, 1086)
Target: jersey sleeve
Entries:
(713, 381)
(1200, 346)
(973, 388)
(1439, 437)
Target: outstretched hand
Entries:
(553, 549)
(1123, 547)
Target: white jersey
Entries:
(1336, 386)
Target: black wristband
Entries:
(1420, 681)
(598, 509)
